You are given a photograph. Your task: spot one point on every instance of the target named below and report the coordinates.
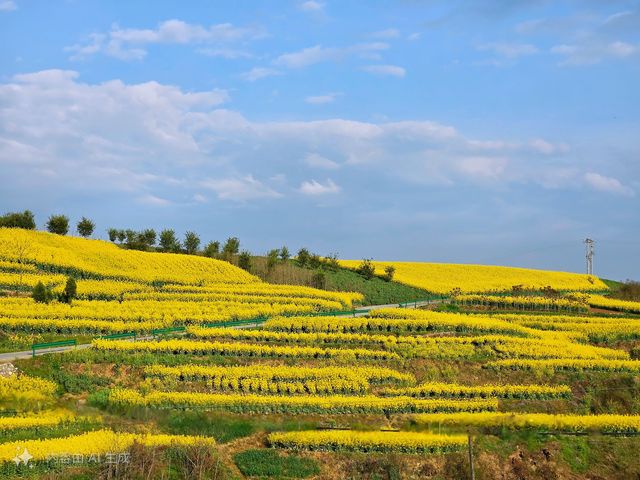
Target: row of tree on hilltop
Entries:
(167, 241)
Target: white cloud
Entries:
(391, 70)
(414, 36)
(228, 53)
(482, 167)
(316, 188)
(258, 73)
(239, 189)
(316, 160)
(593, 53)
(131, 43)
(607, 184)
(321, 99)
(509, 50)
(8, 5)
(311, 6)
(153, 200)
(319, 54)
(159, 140)
(542, 146)
(386, 34)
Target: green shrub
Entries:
(270, 464)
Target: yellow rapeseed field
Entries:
(442, 278)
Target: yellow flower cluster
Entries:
(103, 259)
(562, 423)
(25, 388)
(452, 390)
(367, 442)
(108, 289)
(279, 373)
(168, 313)
(41, 325)
(249, 403)
(570, 364)
(47, 419)
(191, 347)
(443, 278)
(346, 298)
(398, 321)
(596, 329)
(521, 302)
(16, 267)
(315, 303)
(29, 280)
(614, 304)
(95, 443)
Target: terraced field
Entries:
(398, 388)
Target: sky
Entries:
(484, 131)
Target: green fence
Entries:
(59, 343)
(167, 331)
(119, 336)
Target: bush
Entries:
(18, 220)
(270, 464)
(367, 269)
(58, 224)
(70, 290)
(41, 294)
(389, 271)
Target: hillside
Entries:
(202, 366)
(444, 277)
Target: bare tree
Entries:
(21, 246)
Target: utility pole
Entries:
(589, 247)
(472, 471)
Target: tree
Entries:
(303, 257)
(18, 220)
(113, 234)
(319, 280)
(284, 254)
(389, 271)
(331, 262)
(148, 237)
(70, 290)
(272, 259)
(191, 242)
(231, 248)
(133, 239)
(244, 260)
(169, 242)
(85, 227)
(315, 261)
(212, 249)
(58, 224)
(366, 269)
(21, 246)
(122, 236)
(40, 293)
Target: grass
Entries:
(376, 291)
(264, 463)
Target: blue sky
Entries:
(464, 131)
